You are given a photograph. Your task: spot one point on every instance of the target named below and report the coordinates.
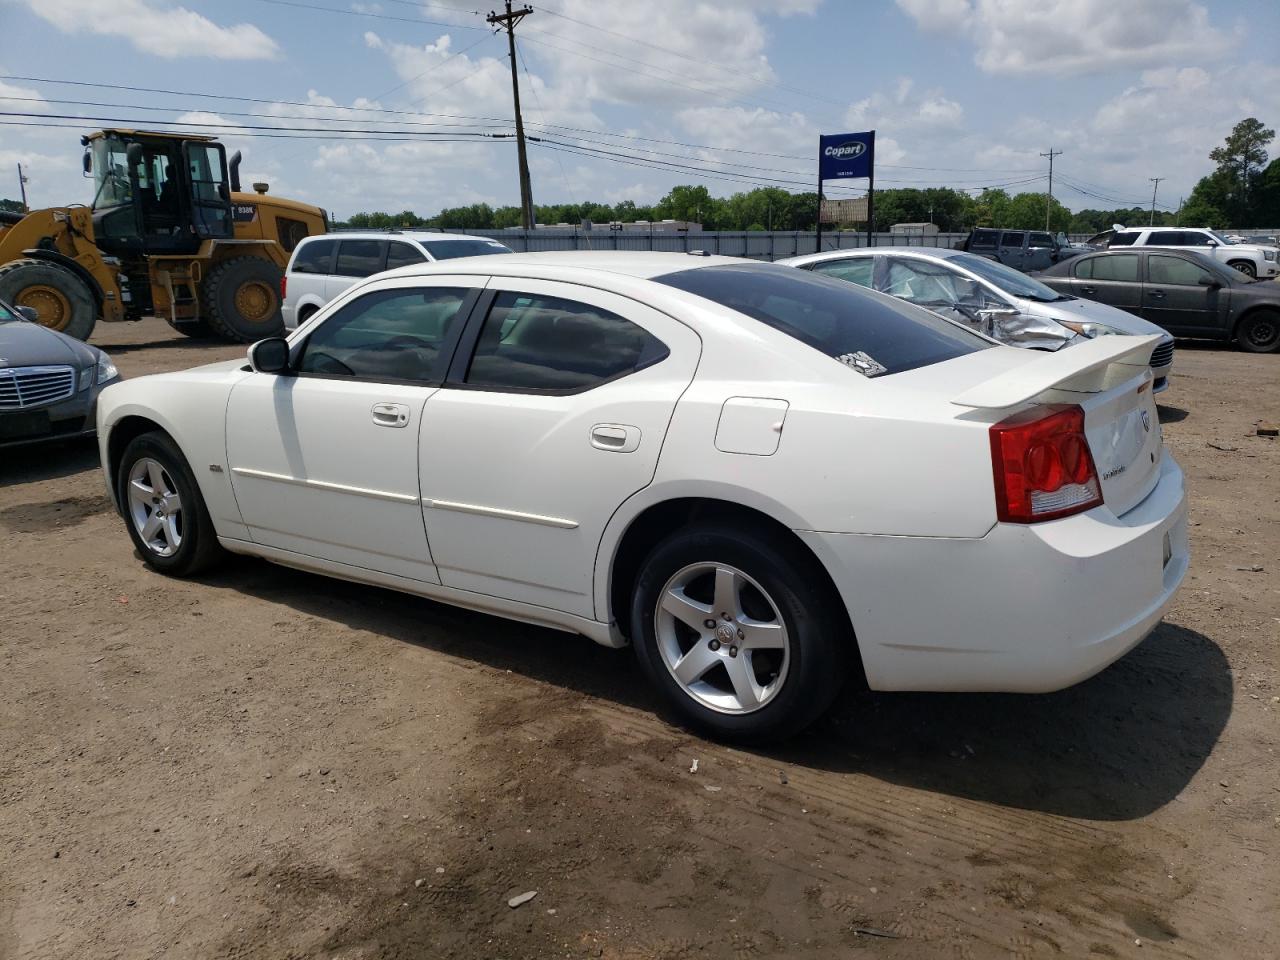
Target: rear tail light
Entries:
(284, 284)
(1043, 467)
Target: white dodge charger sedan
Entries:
(763, 479)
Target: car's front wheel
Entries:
(163, 509)
(1259, 331)
(1245, 267)
(739, 632)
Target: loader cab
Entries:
(157, 194)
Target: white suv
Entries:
(1250, 259)
(325, 265)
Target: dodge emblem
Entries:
(1146, 422)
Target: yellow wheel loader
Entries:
(168, 234)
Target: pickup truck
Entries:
(1024, 250)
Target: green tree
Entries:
(11, 206)
(477, 216)
(1240, 160)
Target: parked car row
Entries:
(988, 297)
(1253, 260)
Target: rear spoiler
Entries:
(1088, 367)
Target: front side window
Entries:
(112, 184)
(359, 258)
(1176, 271)
(836, 318)
(853, 270)
(314, 257)
(1041, 240)
(1011, 281)
(536, 342)
(928, 284)
(386, 335)
(1123, 268)
(400, 254)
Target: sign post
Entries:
(848, 156)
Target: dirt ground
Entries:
(266, 763)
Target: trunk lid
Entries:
(1110, 379)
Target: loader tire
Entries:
(62, 300)
(242, 299)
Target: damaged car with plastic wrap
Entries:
(989, 297)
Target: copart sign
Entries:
(843, 156)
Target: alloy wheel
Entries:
(722, 638)
(155, 507)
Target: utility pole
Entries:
(22, 186)
(1155, 181)
(1177, 217)
(1048, 206)
(509, 21)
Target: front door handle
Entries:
(391, 414)
(1156, 294)
(1088, 289)
(615, 437)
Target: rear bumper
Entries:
(1024, 609)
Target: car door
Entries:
(1011, 248)
(1180, 295)
(1110, 278)
(402, 254)
(1040, 251)
(554, 413)
(356, 260)
(324, 459)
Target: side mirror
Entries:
(1211, 243)
(270, 355)
(88, 163)
(1210, 283)
(28, 313)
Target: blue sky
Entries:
(961, 92)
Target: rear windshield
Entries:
(452, 249)
(872, 333)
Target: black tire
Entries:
(198, 548)
(63, 301)
(1245, 267)
(1259, 331)
(196, 329)
(259, 280)
(817, 628)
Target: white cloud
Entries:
(1075, 36)
(171, 33)
(903, 110)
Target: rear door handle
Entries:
(1156, 294)
(1088, 289)
(615, 437)
(390, 414)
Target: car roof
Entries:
(637, 264)
(421, 236)
(936, 253)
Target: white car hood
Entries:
(1078, 311)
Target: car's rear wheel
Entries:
(1259, 332)
(739, 632)
(163, 509)
(1245, 267)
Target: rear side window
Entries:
(400, 254)
(359, 258)
(314, 257)
(1041, 240)
(869, 332)
(983, 240)
(1123, 268)
(386, 335)
(854, 270)
(1168, 238)
(1123, 239)
(1008, 239)
(551, 344)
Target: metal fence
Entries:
(757, 244)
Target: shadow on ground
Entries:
(1116, 747)
(1170, 414)
(47, 461)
